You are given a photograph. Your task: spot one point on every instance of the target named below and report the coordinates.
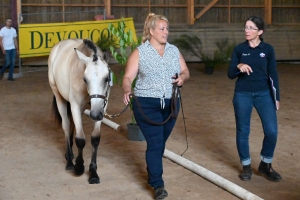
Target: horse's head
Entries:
(97, 77)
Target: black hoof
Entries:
(94, 178)
(70, 166)
(79, 170)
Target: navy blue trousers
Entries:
(155, 135)
(243, 103)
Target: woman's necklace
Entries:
(158, 50)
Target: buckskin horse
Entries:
(78, 78)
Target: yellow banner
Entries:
(38, 39)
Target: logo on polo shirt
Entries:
(262, 55)
(245, 54)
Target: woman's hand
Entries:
(178, 80)
(277, 105)
(244, 68)
(126, 97)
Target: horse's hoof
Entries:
(70, 166)
(79, 170)
(94, 180)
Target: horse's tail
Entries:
(56, 113)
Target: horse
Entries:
(79, 78)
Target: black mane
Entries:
(92, 46)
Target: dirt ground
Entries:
(32, 147)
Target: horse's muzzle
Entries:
(97, 116)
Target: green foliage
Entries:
(224, 50)
(193, 44)
(125, 42)
(125, 46)
(105, 41)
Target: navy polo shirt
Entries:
(263, 63)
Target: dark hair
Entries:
(258, 21)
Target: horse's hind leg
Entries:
(95, 140)
(61, 110)
(69, 151)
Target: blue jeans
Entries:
(10, 56)
(155, 135)
(243, 103)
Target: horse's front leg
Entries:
(79, 140)
(95, 140)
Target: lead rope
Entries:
(176, 90)
(186, 138)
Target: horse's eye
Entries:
(108, 79)
(84, 80)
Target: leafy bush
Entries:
(105, 41)
(193, 44)
(126, 45)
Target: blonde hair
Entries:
(150, 23)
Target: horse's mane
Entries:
(91, 46)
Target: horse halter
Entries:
(97, 96)
(100, 95)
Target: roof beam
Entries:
(206, 8)
(268, 11)
(191, 13)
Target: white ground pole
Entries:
(208, 175)
(106, 121)
(212, 177)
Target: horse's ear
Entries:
(81, 56)
(106, 56)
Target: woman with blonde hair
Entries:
(157, 65)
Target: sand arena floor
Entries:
(32, 147)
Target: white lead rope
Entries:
(162, 103)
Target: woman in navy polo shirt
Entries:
(253, 63)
